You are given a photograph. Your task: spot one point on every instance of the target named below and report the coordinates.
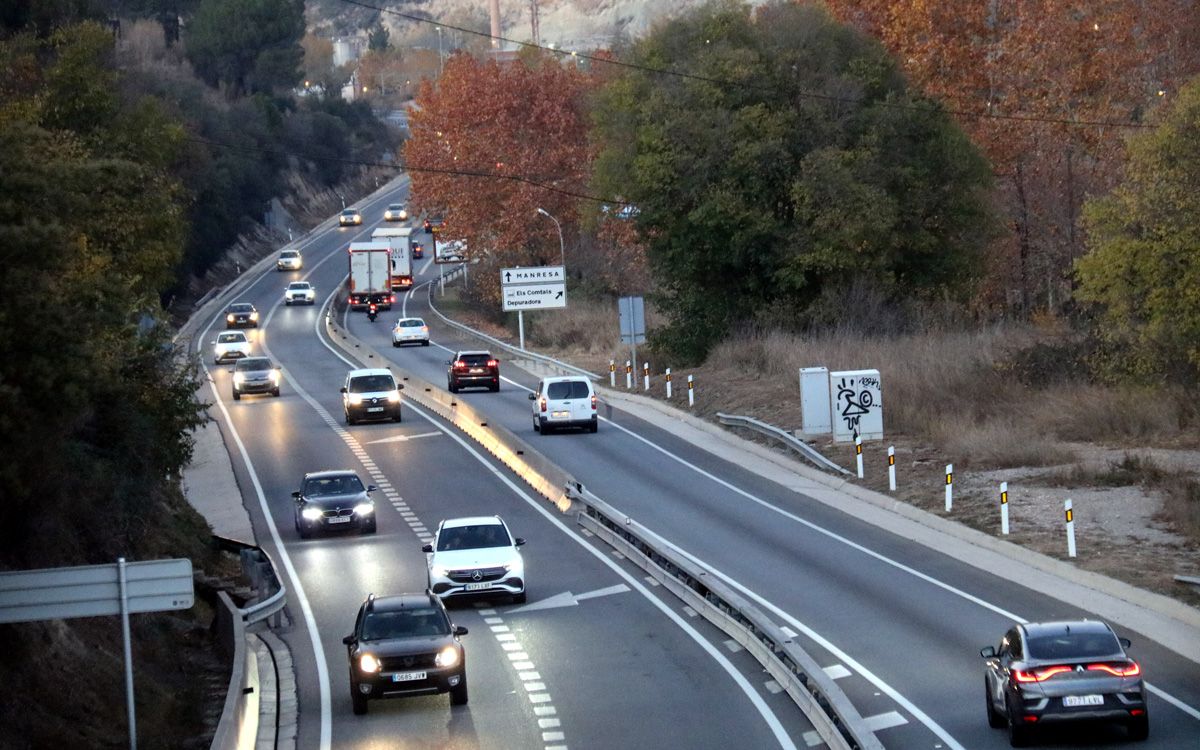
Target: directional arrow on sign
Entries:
(567, 599)
(559, 295)
(402, 438)
(508, 276)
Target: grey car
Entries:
(255, 375)
(1050, 673)
(333, 501)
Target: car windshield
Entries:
(337, 485)
(1078, 645)
(473, 537)
(410, 323)
(231, 338)
(349, 212)
(289, 254)
(404, 623)
(395, 207)
(371, 384)
(475, 360)
(301, 285)
(241, 308)
(567, 389)
(253, 364)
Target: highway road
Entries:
(898, 624)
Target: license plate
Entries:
(374, 408)
(340, 519)
(1083, 700)
(478, 586)
(408, 676)
(560, 415)
(476, 370)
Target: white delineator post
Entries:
(628, 375)
(668, 382)
(645, 376)
(612, 373)
(858, 454)
(949, 487)
(691, 392)
(892, 468)
(1070, 514)
(1004, 508)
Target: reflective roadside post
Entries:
(892, 468)
(628, 375)
(612, 373)
(645, 376)
(1070, 514)
(691, 392)
(1004, 508)
(858, 458)
(949, 487)
(668, 383)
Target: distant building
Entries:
(347, 49)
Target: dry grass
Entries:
(1182, 504)
(1131, 470)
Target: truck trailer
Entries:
(400, 239)
(370, 275)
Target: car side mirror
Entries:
(532, 397)
(231, 371)
(296, 494)
(371, 488)
(1125, 642)
(447, 362)
(427, 548)
(350, 640)
(342, 389)
(213, 343)
(988, 652)
(519, 542)
(460, 630)
(399, 386)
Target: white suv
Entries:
(475, 556)
(564, 402)
(371, 394)
(300, 293)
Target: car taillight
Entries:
(1130, 669)
(543, 403)
(460, 365)
(392, 298)
(1038, 675)
(493, 362)
(593, 403)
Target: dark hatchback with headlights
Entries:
(333, 501)
(1053, 673)
(405, 645)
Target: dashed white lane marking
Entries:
(552, 736)
(499, 628)
(505, 637)
(545, 710)
(539, 697)
(733, 646)
(548, 723)
(529, 675)
(773, 687)
(535, 687)
(836, 671)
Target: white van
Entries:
(568, 401)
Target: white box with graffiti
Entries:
(856, 398)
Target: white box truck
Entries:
(370, 275)
(400, 238)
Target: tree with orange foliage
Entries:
(491, 143)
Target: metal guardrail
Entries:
(804, 449)
(238, 725)
(518, 352)
(838, 722)
(1195, 581)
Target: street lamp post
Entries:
(440, 61)
(561, 247)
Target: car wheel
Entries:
(237, 396)
(349, 419)
(536, 426)
(399, 417)
(544, 428)
(594, 426)
(458, 694)
(1139, 729)
(495, 387)
(1018, 733)
(995, 720)
(305, 532)
(395, 344)
(359, 701)
(452, 387)
(519, 598)
(275, 393)
(425, 342)
(287, 303)
(370, 528)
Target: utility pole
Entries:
(533, 20)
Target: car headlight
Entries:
(363, 509)
(238, 378)
(439, 571)
(447, 657)
(404, 214)
(311, 514)
(354, 398)
(274, 376)
(229, 318)
(394, 397)
(368, 663)
(254, 316)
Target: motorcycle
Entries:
(372, 312)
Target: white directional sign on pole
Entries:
(95, 590)
(534, 288)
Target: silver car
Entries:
(255, 375)
(410, 331)
(300, 293)
(289, 260)
(1047, 673)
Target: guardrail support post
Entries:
(892, 468)
(1004, 508)
(858, 454)
(628, 375)
(612, 373)
(691, 392)
(668, 383)
(949, 487)
(645, 376)
(1070, 514)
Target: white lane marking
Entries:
(879, 722)
(620, 588)
(403, 438)
(528, 676)
(545, 710)
(549, 723)
(755, 699)
(535, 687)
(539, 697)
(552, 736)
(1174, 701)
(836, 671)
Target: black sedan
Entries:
(405, 645)
(241, 315)
(332, 501)
(1052, 673)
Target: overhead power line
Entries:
(742, 84)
